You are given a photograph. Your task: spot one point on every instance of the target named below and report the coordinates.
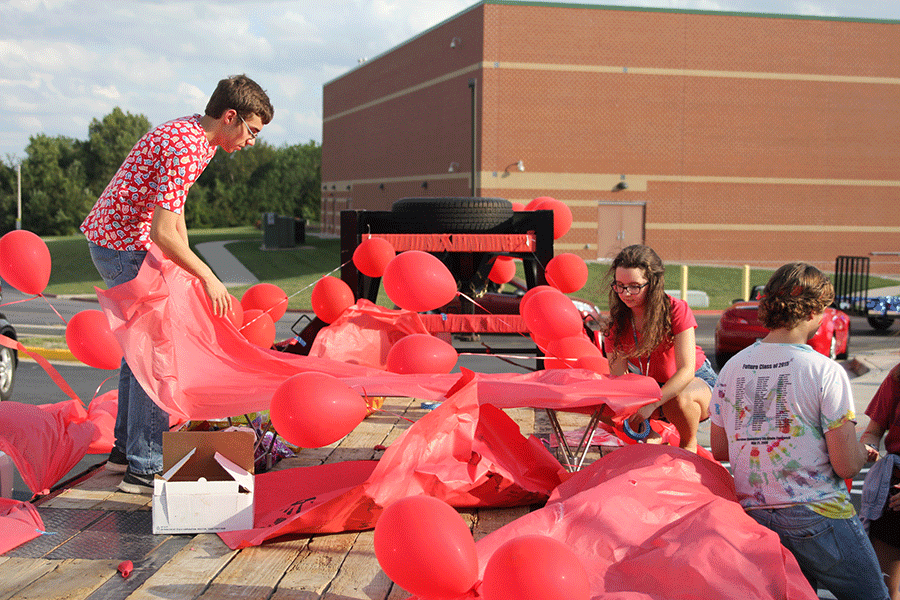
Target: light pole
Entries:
(19, 194)
(472, 88)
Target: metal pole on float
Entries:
(19, 193)
(472, 88)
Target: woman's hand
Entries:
(642, 414)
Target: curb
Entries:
(53, 353)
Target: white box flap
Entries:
(240, 474)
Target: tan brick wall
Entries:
(750, 139)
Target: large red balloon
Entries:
(535, 567)
(503, 270)
(236, 313)
(533, 204)
(258, 328)
(562, 215)
(266, 297)
(421, 353)
(313, 409)
(330, 297)
(552, 315)
(92, 342)
(567, 272)
(565, 353)
(372, 256)
(24, 261)
(531, 294)
(426, 548)
(418, 281)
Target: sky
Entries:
(64, 63)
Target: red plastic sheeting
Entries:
(462, 453)
(198, 366)
(652, 522)
(19, 523)
(461, 242)
(453, 323)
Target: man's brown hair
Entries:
(243, 95)
(794, 293)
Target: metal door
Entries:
(619, 224)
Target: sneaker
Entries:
(137, 483)
(117, 461)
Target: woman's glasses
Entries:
(631, 288)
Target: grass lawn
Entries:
(296, 270)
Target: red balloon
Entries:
(562, 216)
(313, 409)
(421, 353)
(236, 314)
(91, 340)
(258, 328)
(567, 272)
(531, 293)
(266, 297)
(504, 270)
(518, 206)
(418, 281)
(372, 256)
(564, 353)
(24, 261)
(552, 315)
(330, 297)
(533, 204)
(426, 548)
(535, 567)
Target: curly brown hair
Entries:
(243, 95)
(657, 327)
(794, 292)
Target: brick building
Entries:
(738, 138)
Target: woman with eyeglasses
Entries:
(652, 333)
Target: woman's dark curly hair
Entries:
(794, 292)
(657, 328)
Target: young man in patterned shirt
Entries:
(143, 204)
(783, 415)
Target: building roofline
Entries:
(615, 7)
(688, 11)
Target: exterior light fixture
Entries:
(453, 167)
(425, 185)
(455, 42)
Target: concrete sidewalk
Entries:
(227, 268)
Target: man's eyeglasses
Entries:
(250, 131)
(631, 288)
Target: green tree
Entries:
(8, 197)
(109, 142)
(55, 197)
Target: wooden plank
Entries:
(188, 573)
(78, 498)
(492, 519)
(255, 571)
(71, 579)
(17, 573)
(315, 568)
(360, 576)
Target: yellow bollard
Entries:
(684, 282)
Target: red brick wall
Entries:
(751, 139)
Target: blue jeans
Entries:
(139, 422)
(833, 553)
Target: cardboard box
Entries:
(207, 485)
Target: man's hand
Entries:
(218, 296)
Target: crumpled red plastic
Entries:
(364, 334)
(653, 522)
(19, 522)
(463, 453)
(198, 366)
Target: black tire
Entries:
(8, 361)
(453, 215)
(880, 323)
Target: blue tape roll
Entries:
(637, 435)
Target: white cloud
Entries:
(66, 62)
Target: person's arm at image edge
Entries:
(846, 454)
(169, 232)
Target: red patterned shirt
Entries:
(158, 171)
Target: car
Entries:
(9, 358)
(739, 326)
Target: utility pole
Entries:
(474, 138)
(19, 181)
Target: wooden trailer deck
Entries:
(92, 527)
